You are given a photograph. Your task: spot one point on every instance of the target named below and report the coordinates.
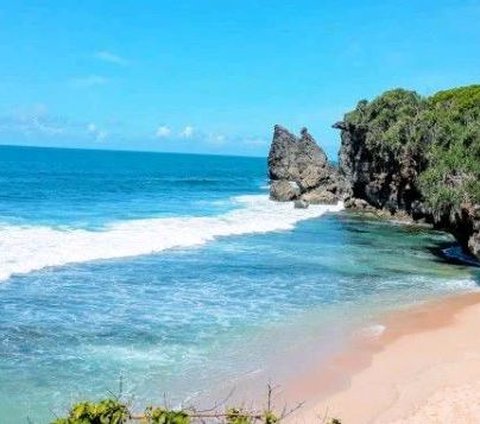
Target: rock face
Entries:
(301, 204)
(389, 181)
(299, 169)
(284, 190)
(464, 224)
(385, 180)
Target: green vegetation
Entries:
(437, 137)
(453, 174)
(391, 120)
(113, 411)
(165, 416)
(107, 411)
(237, 416)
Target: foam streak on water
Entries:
(28, 248)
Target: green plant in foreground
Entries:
(270, 418)
(112, 411)
(165, 416)
(108, 411)
(237, 416)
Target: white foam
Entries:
(374, 330)
(27, 248)
(456, 284)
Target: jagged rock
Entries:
(301, 204)
(302, 161)
(284, 191)
(464, 224)
(474, 244)
(385, 180)
(354, 203)
(319, 195)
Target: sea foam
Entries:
(29, 248)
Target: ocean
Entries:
(175, 275)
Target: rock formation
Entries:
(393, 158)
(390, 183)
(299, 169)
(383, 180)
(401, 154)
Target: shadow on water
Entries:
(372, 232)
(453, 253)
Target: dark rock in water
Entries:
(284, 191)
(301, 204)
(464, 224)
(300, 160)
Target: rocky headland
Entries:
(401, 154)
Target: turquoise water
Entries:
(175, 274)
(89, 188)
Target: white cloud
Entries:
(217, 139)
(89, 81)
(33, 120)
(97, 133)
(36, 122)
(110, 57)
(163, 131)
(187, 132)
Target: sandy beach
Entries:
(424, 368)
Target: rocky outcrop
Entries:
(301, 204)
(299, 169)
(284, 190)
(387, 179)
(464, 224)
(402, 156)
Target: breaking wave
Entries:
(29, 248)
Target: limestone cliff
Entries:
(406, 154)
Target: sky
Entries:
(214, 76)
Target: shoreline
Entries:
(423, 368)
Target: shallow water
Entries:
(192, 303)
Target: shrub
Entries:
(165, 416)
(107, 411)
(112, 411)
(237, 416)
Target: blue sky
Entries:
(214, 76)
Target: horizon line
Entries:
(131, 151)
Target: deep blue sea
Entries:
(175, 274)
